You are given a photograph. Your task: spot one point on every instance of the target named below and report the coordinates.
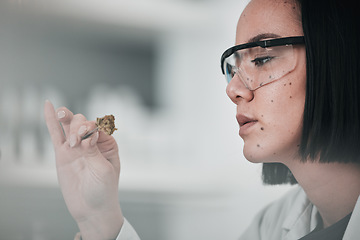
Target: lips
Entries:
(243, 120)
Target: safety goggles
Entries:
(260, 63)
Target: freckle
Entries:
(289, 83)
(258, 145)
(272, 100)
(262, 128)
(270, 76)
(294, 8)
(262, 115)
(298, 145)
(285, 84)
(290, 96)
(274, 153)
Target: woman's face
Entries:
(273, 112)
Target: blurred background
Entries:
(154, 65)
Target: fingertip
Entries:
(48, 107)
(52, 124)
(63, 114)
(82, 130)
(94, 139)
(73, 140)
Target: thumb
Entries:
(92, 153)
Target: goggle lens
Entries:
(258, 66)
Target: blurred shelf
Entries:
(142, 14)
(143, 178)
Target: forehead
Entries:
(269, 17)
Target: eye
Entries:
(231, 70)
(260, 61)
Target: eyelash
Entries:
(260, 61)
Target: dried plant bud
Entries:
(106, 124)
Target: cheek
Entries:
(286, 106)
(279, 132)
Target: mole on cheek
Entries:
(272, 100)
(289, 83)
(262, 128)
(290, 96)
(258, 145)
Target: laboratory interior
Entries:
(154, 65)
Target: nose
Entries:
(237, 91)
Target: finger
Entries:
(90, 148)
(88, 128)
(76, 126)
(65, 117)
(109, 148)
(52, 123)
(95, 158)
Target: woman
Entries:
(298, 106)
(293, 76)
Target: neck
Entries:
(332, 187)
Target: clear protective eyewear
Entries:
(262, 62)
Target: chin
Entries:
(253, 156)
(257, 155)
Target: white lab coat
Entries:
(292, 217)
(289, 218)
(127, 232)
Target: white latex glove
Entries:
(88, 173)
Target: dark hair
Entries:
(331, 121)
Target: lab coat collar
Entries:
(353, 230)
(303, 217)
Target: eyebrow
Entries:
(262, 36)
